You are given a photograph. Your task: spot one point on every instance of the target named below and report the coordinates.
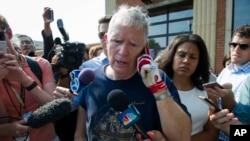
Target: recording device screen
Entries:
(2, 36)
(217, 109)
(212, 85)
(51, 15)
(3, 46)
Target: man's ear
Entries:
(105, 36)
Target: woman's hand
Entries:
(61, 92)
(226, 94)
(15, 71)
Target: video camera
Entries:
(71, 56)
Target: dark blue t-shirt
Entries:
(102, 122)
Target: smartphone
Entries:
(3, 46)
(210, 102)
(212, 85)
(2, 36)
(51, 15)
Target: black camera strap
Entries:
(35, 68)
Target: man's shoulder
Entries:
(92, 63)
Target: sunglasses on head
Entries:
(242, 46)
(101, 34)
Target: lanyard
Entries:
(20, 98)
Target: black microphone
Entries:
(49, 112)
(129, 115)
(80, 79)
(62, 30)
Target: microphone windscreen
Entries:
(86, 76)
(49, 112)
(118, 100)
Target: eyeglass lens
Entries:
(101, 34)
(242, 46)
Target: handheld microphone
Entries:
(80, 79)
(62, 30)
(129, 115)
(49, 112)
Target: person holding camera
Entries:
(55, 51)
(48, 42)
(22, 92)
(65, 127)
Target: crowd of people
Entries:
(164, 91)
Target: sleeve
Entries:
(173, 90)
(48, 44)
(81, 99)
(47, 73)
(242, 107)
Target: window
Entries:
(241, 13)
(165, 26)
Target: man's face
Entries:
(124, 45)
(103, 28)
(240, 56)
(27, 45)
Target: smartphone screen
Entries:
(217, 109)
(51, 15)
(3, 46)
(212, 85)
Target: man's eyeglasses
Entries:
(2, 36)
(101, 34)
(25, 42)
(242, 46)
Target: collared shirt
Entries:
(236, 78)
(242, 108)
(95, 62)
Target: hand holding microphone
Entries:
(49, 112)
(150, 74)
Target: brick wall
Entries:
(220, 35)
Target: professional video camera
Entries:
(71, 56)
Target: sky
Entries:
(80, 17)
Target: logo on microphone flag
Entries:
(129, 117)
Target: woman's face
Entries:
(186, 59)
